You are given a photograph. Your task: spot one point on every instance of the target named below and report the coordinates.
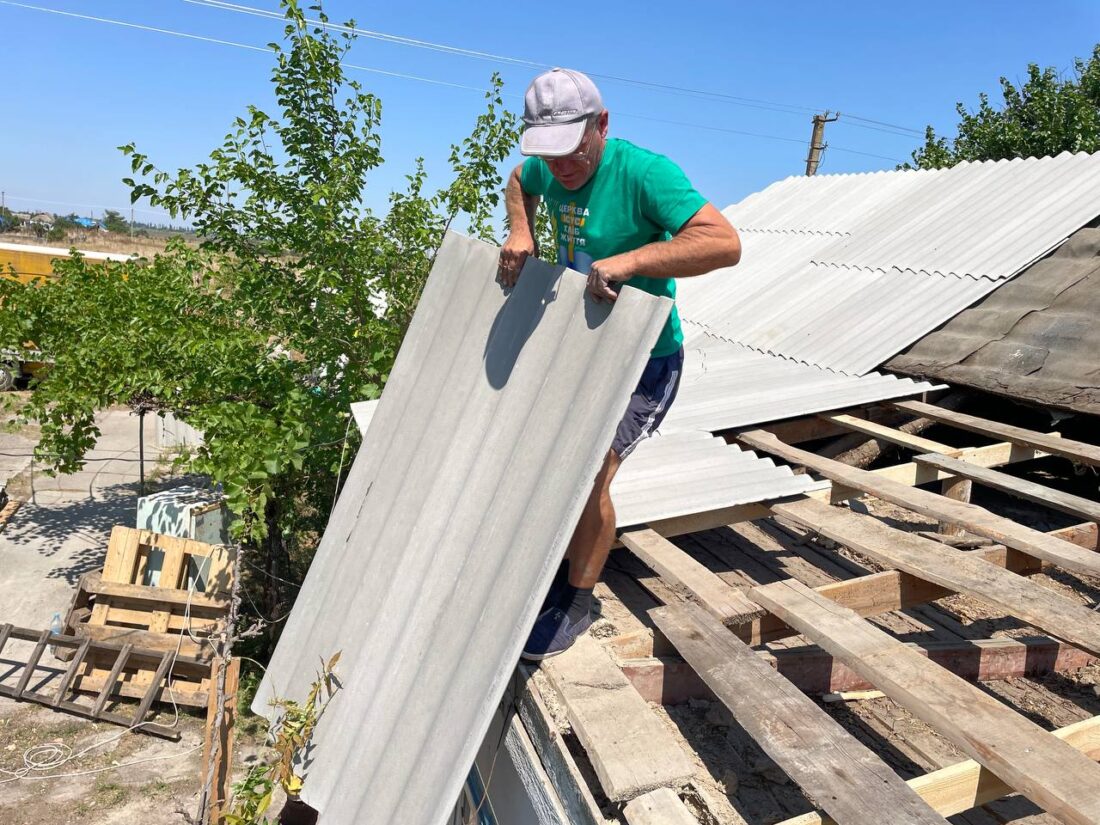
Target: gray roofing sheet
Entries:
(727, 385)
(978, 220)
(844, 271)
(1035, 338)
(683, 472)
(434, 531)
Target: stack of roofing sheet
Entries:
(841, 272)
(456, 512)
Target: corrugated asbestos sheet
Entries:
(452, 521)
(1035, 338)
(727, 385)
(681, 473)
(844, 271)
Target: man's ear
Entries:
(601, 124)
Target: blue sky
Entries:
(75, 89)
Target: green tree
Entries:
(114, 222)
(1045, 116)
(292, 307)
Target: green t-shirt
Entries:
(634, 198)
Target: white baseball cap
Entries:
(556, 109)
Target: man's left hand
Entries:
(606, 272)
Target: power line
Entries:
(219, 42)
(756, 103)
(400, 75)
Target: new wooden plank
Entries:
(967, 784)
(1019, 487)
(112, 678)
(629, 747)
(680, 570)
(951, 569)
(890, 434)
(1046, 770)
(1075, 450)
(827, 762)
(70, 672)
(973, 518)
(659, 807)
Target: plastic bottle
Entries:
(55, 627)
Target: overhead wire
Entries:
(758, 103)
(421, 79)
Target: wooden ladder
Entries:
(98, 710)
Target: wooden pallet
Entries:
(65, 697)
(158, 592)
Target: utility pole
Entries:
(817, 141)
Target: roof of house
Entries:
(844, 271)
(1035, 338)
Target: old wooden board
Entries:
(842, 774)
(659, 807)
(949, 568)
(572, 790)
(1075, 450)
(967, 784)
(1045, 769)
(667, 679)
(1019, 487)
(973, 518)
(630, 750)
(680, 570)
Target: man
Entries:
(620, 214)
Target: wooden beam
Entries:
(889, 434)
(697, 522)
(224, 735)
(958, 489)
(1019, 487)
(630, 749)
(826, 761)
(528, 767)
(680, 570)
(659, 807)
(667, 679)
(1046, 770)
(1074, 450)
(163, 642)
(973, 518)
(951, 569)
(572, 790)
(991, 455)
(967, 784)
(93, 583)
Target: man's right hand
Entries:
(513, 255)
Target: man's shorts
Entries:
(650, 402)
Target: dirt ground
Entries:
(58, 532)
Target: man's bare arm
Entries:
(705, 243)
(521, 229)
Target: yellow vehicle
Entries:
(25, 263)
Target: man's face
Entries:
(574, 170)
